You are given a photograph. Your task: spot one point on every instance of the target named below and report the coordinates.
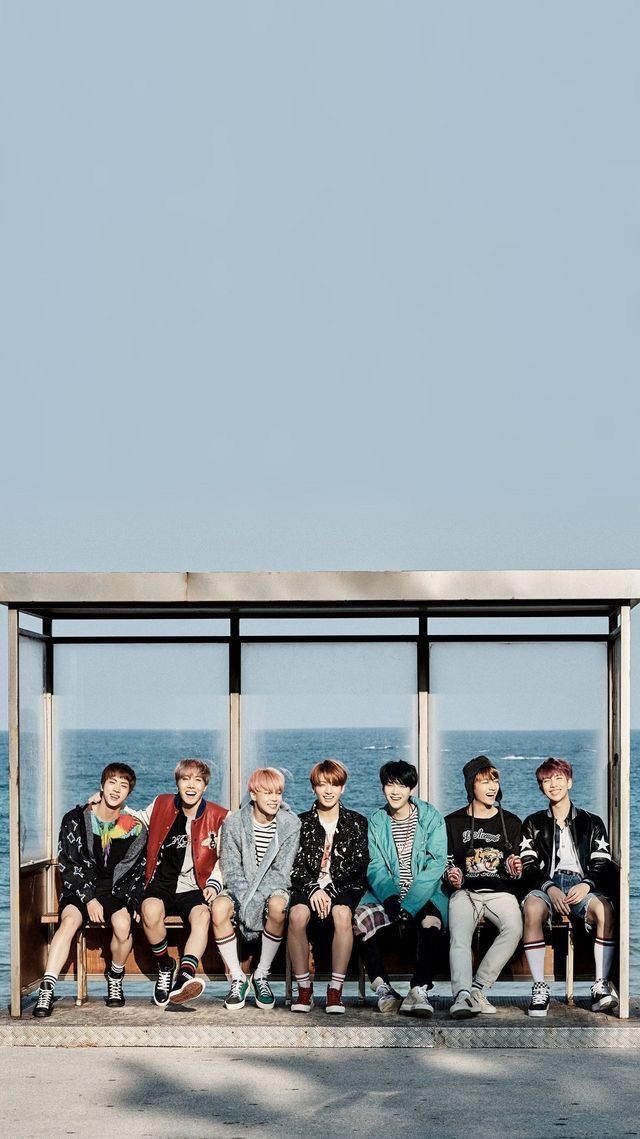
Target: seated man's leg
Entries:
(416, 1002)
(121, 945)
(194, 912)
(536, 911)
(341, 947)
(153, 915)
(503, 911)
(369, 933)
(272, 935)
(298, 943)
(463, 918)
(222, 911)
(599, 913)
(71, 919)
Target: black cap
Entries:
(471, 769)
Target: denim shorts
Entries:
(565, 879)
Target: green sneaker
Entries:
(237, 994)
(264, 995)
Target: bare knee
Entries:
(431, 922)
(535, 911)
(221, 910)
(152, 911)
(342, 918)
(199, 918)
(299, 917)
(121, 926)
(277, 909)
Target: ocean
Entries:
(153, 755)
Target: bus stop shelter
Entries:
(224, 609)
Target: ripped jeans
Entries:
(466, 907)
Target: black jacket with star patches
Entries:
(590, 840)
(349, 855)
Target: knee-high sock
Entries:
(270, 946)
(603, 951)
(228, 950)
(535, 958)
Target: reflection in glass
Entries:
(33, 801)
(302, 703)
(145, 705)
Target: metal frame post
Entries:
(624, 800)
(423, 708)
(235, 672)
(14, 810)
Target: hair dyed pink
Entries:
(266, 779)
(549, 766)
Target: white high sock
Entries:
(228, 950)
(535, 958)
(603, 951)
(270, 946)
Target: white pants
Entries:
(466, 907)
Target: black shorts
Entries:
(110, 905)
(175, 905)
(350, 898)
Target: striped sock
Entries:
(270, 946)
(188, 964)
(228, 950)
(535, 958)
(477, 987)
(603, 951)
(303, 980)
(337, 980)
(49, 981)
(161, 948)
(116, 970)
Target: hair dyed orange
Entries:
(329, 771)
(266, 779)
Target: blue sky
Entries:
(303, 286)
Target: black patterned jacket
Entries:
(77, 865)
(349, 854)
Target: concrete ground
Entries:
(176, 1092)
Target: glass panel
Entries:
(353, 702)
(146, 705)
(33, 770)
(476, 626)
(329, 627)
(519, 704)
(207, 627)
(32, 624)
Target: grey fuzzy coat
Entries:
(249, 884)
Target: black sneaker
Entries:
(163, 984)
(186, 988)
(44, 1003)
(540, 997)
(237, 994)
(115, 995)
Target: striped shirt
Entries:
(262, 835)
(403, 831)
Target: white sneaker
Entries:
(416, 1002)
(388, 1000)
(481, 1004)
(463, 1006)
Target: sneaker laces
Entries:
(235, 987)
(45, 998)
(540, 991)
(600, 988)
(114, 986)
(164, 980)
(262, 985)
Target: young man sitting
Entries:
(482, 872)
(181, 858)
(567, 867)
(101, 863)
(407, 859)
(327, 881)
(259, 844)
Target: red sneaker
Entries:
(304, 1002)
(334, 1000)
